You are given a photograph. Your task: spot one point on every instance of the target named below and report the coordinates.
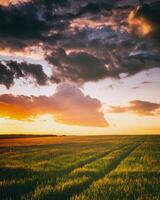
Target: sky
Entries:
(79, 67)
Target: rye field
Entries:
(80, 168)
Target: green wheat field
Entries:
(80, 168)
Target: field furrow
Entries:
(27, 180)
(80, 178)
(81, 168)
(136, 177)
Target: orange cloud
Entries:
(145, 19)
(138, 107)
(141, 25)
(8, 2)
(68, 106)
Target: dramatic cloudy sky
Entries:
(79, 67)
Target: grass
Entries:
(80, 168)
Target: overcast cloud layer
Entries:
(82, 40)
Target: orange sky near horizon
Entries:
(96, 73)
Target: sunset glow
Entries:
(143, 26)
(87, 68)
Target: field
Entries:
(80, 168)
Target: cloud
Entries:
(146, 82)
(20, 24)
(7, 75)
(146, 19)
(77, 66)
(81, 66)
(142, 108)
(34, 71)
(8, 2)
(135, 88)
(96, 7)
(68, 105)
(86, 41)
(142, 83)
(29, 22)
(11, 70)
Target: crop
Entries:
(80, 168)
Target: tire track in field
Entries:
(76, 190)
(43, 177)
(54, 180)
(82, 163)
(112, 165)
(92, 159)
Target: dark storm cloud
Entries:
(138, 107)
(80, 66)
(96, 32)
(11, 70)
(117, 50)
(8, 74)
(21, 21)
(34, 18)
(139, 60)
(77, 67)
(95, 7)
(29, 23)
(32, 70)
